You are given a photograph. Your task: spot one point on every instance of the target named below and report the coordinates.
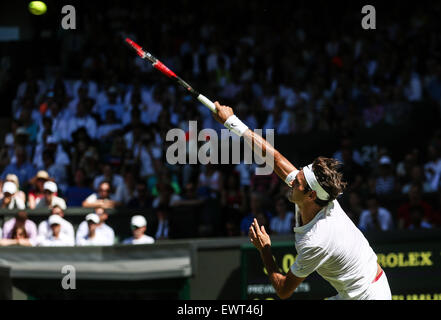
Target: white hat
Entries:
(9, 187)
(385, 160)
(93, 217)
(138, 221)
(51, 186)
(55, 219)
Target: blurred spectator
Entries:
(109, 175)
(9, 200)
(375, 217)
(19, 238)
(104, 234)
(110, 128)
(91, 237)
(416, 177)
(126, 190)
(352, 154)
(210, 181)
(56, 238)
(50, 199)
(233, 200)
(50, 156)
(245, 172)
(282, 223)
(31, 86)
(19, 194)
(66, 229)
(77, 193)
(90, 86)
(412, 85)
(166, 195)
(60, 123)
(13, 226)
(354, 207)
(417, 218)
(44, 132)
(82, 119)
(29, 119)
(189, 197)
(87, 157)
(374, 114)
(385, 182)
(165, 176)
(21, 168)
(110, 101)
(142, 199)
(139, 227)
(415, 200)
(102, 198)
(147, 155)
(432, 168)
(405, 166)
(258, 212)
(135, 110)
(351, 170)
(162, 231)
(36, 192)
(265, 184)
(280, 120)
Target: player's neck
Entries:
(308, 211)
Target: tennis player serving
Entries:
(326, 240)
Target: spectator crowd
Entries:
(92, 132)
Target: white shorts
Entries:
(379, 290)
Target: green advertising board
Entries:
(413, 270)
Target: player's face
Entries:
(297, 194)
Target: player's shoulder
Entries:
(320, 231)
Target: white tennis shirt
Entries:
(334, 247)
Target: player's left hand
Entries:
(258, 236)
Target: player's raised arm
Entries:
(283, 168)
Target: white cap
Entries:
(9, 187)
(93, 217)
(385, 160)
(138, 221)
(55, 219)
(51, 186)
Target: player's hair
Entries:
(326, 172)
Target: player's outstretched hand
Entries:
(258, 236)
(222, 113)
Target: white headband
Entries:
(313, 183)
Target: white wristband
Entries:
(234, 124)
(291, 177)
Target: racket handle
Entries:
(207, 102)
